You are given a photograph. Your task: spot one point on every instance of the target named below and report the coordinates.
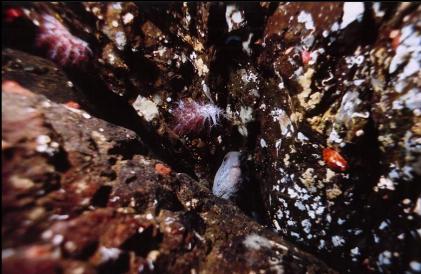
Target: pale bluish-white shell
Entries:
(228, 177)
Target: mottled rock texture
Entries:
(323, 99)
(79, 195)
(357, 93)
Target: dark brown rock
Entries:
(345, 98)
(65, 211)
(298, 82)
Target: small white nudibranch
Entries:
(228, 178)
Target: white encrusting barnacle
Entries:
(234, 17)
(146, 108)
(228, 178)
(352, 11)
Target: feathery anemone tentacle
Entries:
(192, 116)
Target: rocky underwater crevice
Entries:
(117, 116)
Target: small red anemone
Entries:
(334, 160)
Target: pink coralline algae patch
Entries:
(63, 47)
(191, 116)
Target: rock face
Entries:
(322, 99)
(80, 196)
(342, 139)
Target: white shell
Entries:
(228, 177)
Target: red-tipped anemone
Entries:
(334, 160)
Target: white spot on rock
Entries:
(306, 19)
(127, 18)
(146, 108)
(337, 240)
(246, 45)
(385, 183)
(109, 253)
(301, 137)
(234, 17)
(284, 121)
(415, 265)
(352, 11)
(384, 257)
(355, 251)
